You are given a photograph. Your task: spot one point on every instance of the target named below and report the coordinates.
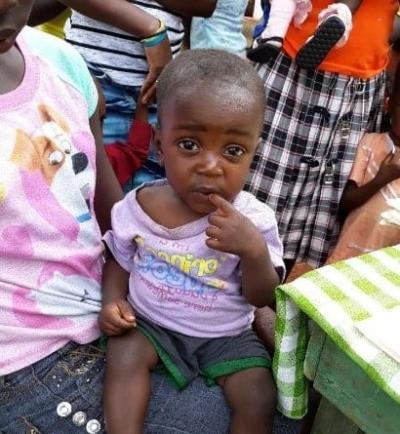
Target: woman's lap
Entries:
(35, 399)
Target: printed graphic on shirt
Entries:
(56, 186)
(178, 277)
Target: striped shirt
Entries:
(119, 54)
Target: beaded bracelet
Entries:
(156, 38)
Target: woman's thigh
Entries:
(63, 394)
(198, 409)
(59, 394)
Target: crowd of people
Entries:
(160, 179)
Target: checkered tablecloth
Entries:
(336, 297)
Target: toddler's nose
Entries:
(210, 165)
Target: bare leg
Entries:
(269, 44)
(251, 396)
(280, 17)
(130, 358)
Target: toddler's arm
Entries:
(259, 277)
(116, 316)
(232, 232)
(126, 158)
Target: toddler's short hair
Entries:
(201, 69)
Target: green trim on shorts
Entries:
(179, 379)
(232, 366)
(101, 343)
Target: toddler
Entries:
(190, 256)
(126, 157)
(57, 189)
(335, 24)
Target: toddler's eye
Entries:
(234, 151)
(188, 145)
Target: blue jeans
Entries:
(29, 398)
(73, 376)
(120, 111)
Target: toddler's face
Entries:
(206, 145)
(14, 15)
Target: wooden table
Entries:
(351, 403)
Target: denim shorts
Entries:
(62, 394)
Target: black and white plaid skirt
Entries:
(312, 126)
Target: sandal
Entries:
(265, 50)
(311, 55)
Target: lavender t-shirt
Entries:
(179, 283)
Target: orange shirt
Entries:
(367, 50)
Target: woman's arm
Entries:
(108, 190)
(119, 13)
(355, 196)
(128, 17)
(45, 10)
(198, 8)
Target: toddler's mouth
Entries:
(6, 34)
(6, 37)
(207, 190)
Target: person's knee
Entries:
(130, 353)
(255, 398)
(265, 402)
(260, 403)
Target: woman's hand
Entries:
(390, 168)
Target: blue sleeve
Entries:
(67, 61)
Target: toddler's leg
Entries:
(271, 39)
(280, 17)
(130, 358)
(251, 396)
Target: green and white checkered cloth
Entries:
(336, 297)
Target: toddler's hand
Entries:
(116, 317)
(142, 110)
(303, 9)
(232, 232)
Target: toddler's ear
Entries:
(157, 143)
